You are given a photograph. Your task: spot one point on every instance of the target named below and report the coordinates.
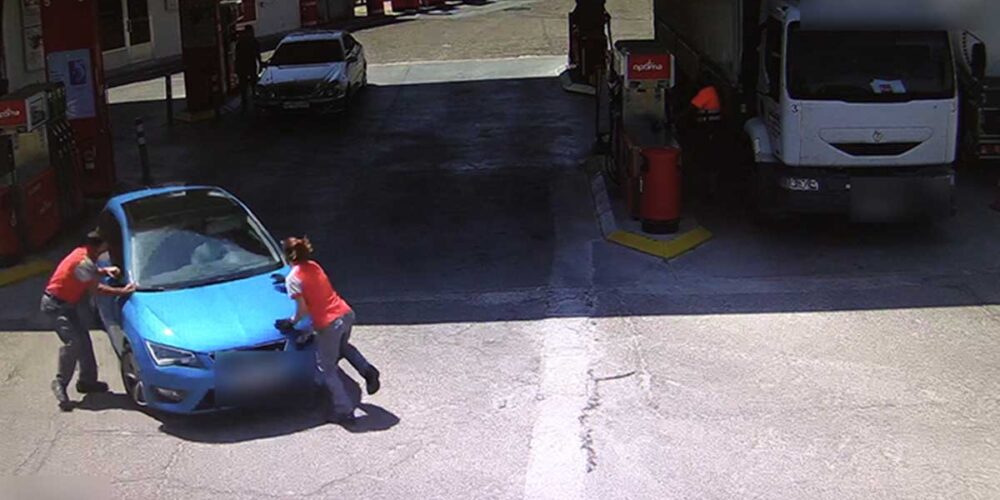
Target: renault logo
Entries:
(878, 136)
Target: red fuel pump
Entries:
(644, 147)
(73, 57)
(207, 28)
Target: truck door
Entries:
(769, 83)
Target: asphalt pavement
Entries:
(524, 356)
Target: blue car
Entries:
(209, 281)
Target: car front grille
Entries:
(295, 90)
(865, 149)
(278, 345)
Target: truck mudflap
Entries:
(867, 195)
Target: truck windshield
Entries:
(868, 66)
(191, 238)
(308, 52)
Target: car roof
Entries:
(118, 201)
(313, 35)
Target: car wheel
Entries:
(131, 378)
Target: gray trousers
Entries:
(333, 343)
(76, 347)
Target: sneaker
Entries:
(59, 391)
(89, 387)
(372, 383)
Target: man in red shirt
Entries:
(332, 319)
(76, 275)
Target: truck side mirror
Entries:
(978, 62)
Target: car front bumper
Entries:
(318, 105)
(187, 390)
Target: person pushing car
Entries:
(76, 275)
(332, 319)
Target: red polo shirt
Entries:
(309, 281)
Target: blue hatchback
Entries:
(208, 279)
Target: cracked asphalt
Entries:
(522, 355)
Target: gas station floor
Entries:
(524, 355)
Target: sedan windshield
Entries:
(192, 238)
(862, 66)
(308, 52)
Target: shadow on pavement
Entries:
(459, 201)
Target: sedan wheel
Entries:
(131, 380)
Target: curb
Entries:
(27, 270)
(566, 80)
(665, 249)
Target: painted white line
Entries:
(557, 465)
(558, 462)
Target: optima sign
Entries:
(650, 67)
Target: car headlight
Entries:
(264, 92)
(170, 356)
(331, 89)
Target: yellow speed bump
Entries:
(21, 272)
(665, 249)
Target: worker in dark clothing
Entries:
(703, 118)
(77, 274)
(248, 64)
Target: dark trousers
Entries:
(333, 343)
(247, 84)
(76, 348)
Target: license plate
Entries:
(296, 105)
(262, 378)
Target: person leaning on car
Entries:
(332, 319)
(76, 275)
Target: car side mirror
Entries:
(978, 61)
(353, 58)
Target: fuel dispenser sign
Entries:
(72, 68)
(650, 67)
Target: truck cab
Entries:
(977, 53)
(853, 120)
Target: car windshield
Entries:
(308, 52)
(864, 66)
(192, 238)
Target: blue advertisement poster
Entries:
(72, 68)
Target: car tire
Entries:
(131, 378)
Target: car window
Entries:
(349, 43)
(308, 52)
(191, 238)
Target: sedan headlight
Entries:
(331, 89)
(170, 356)
(265, 92)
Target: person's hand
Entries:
(128, 289)
(112, 272)
(284, 325)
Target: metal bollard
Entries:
(140, 139)
(170, 99)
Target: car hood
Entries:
(217, 317)
(305, 74)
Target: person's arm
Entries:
(99, 288)
(88, 272)
(294, 286)
(301, 311)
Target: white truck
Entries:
(977, 48)
(854, 115)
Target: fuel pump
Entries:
(645, 152)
